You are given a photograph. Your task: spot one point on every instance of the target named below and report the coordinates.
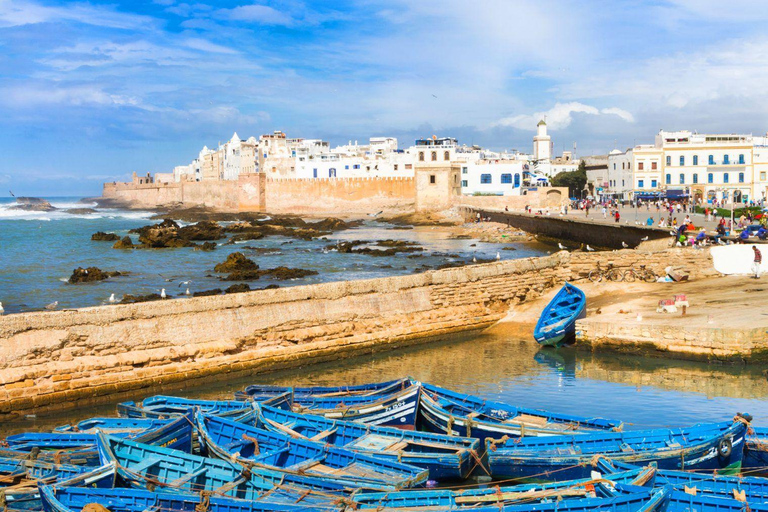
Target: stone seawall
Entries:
(67, 358)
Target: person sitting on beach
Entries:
(649, 222)
(701, 238)
(762, 233)
(744, 236)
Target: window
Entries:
(654, 165)
(432, 179)
(654, 184)
(741, 159)
(485, 178)
(346, 167)
(710, 178)
(725, 177)
(614, 166)
(762, 176)
(695, 178)
(517, 180)
(265, 155)
(726, 160)
(711, 161)
(356, 166)
(421, 156)
(682, 160)
(447, 155)
(640, 166)
(331, 172)
(409, 166)
(314, 173)
(506, 178)
(434, 156)
(669, 160)
(464, 170)
(669, 179)
(695, 159)
(395, 166)
(682, 178)
(622, 183)
(741, 177)
(639, 183)
(463, 183)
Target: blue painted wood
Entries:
(252, 446)
(445, 457)
(114, 426)
(557, 323)
(756, 451)
(449, 412)
(701, 447)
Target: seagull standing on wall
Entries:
(589, 248)
(498, 255)
(53, 305)
(112, 299)
(624, 244)
(562, 247)
(645, 238)
(1, 308)
(162, 294)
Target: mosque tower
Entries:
(542, 143)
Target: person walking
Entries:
(757, 262)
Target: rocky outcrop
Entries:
(32, 204)
(391, 247)
(80, 211)
(101, 236)
(206, 246)
(133, 299)
(238, 288)
(124, 243)
(236, 262)
(90, 274)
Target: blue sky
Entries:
(91, 91)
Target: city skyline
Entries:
(94, 91)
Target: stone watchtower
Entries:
(542, 143)
(438, 185)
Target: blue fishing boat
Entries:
(445, 457)
(162, 406)
(557, 323)
(375, 388)
(113, 426)
(748, 488)
(679, 501)
(140, 465)
(74, 499)
(756, 451)
(701, 447)
(500, 496)
(254, 447)
(396, 409)
(448, 412)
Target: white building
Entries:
(619, 179)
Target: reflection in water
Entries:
(644, 392)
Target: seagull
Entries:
(1, 308)
(498, 255)
(375, 214)
(562, 247)
(589, 248)
(112, 299)
(53, 305)
(187, 292)
(624, 244)
(162, 294)
(673, 233)
(474, 260)
(645, 238)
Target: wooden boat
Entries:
(445, 457)
(396, 409)
(750, 488)
(163, 407)
(448, 412)
(176, 434)
(140, 465)
(500, 496)
(75, 499)
(557, 323)
(255, 447)
(113, 426)
(756, 451)
(699, 448)
(375, 388)
(679, 501)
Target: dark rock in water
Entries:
(238, 288)
(283, 273)
(162, 235)
(101, 236)
(32, 204)
(262, 250)
(132, 299)
(400, 228)
(332, 224)
(206, 246)
(90, 274)
(80, 211)
(125, 243)
(392, 247)
(508, 249)
(276, 286)
(205, 293)
(243, 275)
(236, 262)
(205, 230)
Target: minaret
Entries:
(542, 143)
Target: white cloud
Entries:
(256, 13)
(560, 116)
(23, 97)
(15, 13)
(208, 47)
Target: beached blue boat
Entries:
(396, 409)
(445, 457)
(375, 388)
(449, 412)
(74, 499)
(756, 451)
(500, 496)
(701, 447)
(748, 488)
(557, 323)
(254, 447)
(140, 465)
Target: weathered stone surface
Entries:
(236, 262)
(90, 274)
(101, 236)
(32, 204)
(206, 246)
(124, 243)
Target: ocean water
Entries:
(39, 251)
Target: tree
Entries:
(574, 180)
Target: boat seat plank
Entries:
(189, 476)
(322, 435)
(145, 464)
